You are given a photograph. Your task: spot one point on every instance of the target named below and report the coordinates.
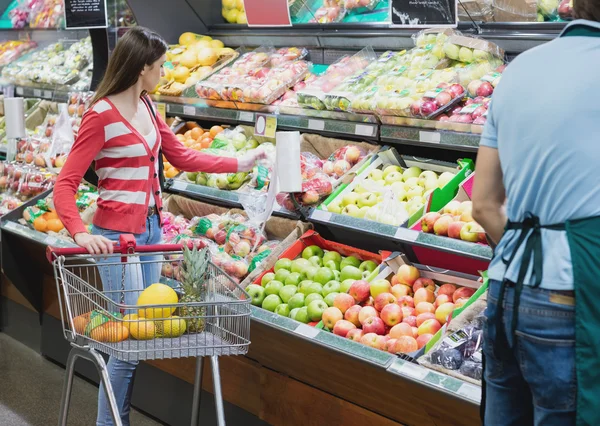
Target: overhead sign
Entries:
(424, 13)
(85, 14)
(267, 13)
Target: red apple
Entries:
(415, 108)
(406, 344)
(479, 111)
(369, 339)
(443, 98)
(367, 312)
(428, 107)
(424, 295)
(389, 346)
(402, 329)
(424, 307)
(331, 316)
(460, 302)
(407, 311)
(380, 286)
(424, 317)
(381, 342)
(456, 90)
(410, 320)
(355, 334)
(360, 291)
(430, 326)
(352, 315)
(401, 290)
(441, 299)
(486, 89)
(462, 292)
(423, 339)
(471, 232)
(407, 275)
(342, 328)
(448, 289)
(440, 227)
(384, 299)
(391, 314)
(369, 302)
(424, 283)
(343, 302)
(454, 229)
(374, 325)
(406, 301)
(443, 311)
(428, 221)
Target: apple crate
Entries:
(390, 156)
(310, 238)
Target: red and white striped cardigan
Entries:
(126, 169)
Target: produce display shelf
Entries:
(199, 108)
(466, 142)
(213, 195)
(403, 235)
(31, 234)
(369, 131)
(41, 93)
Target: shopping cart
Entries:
(216, 322)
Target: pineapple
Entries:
(194, 268)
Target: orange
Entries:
(167, 165)
(192, 125)
(215, 130)
(196, 133)
(196, 146)
(40, 224)
(188, 134)
(180, 138)
(206, 143)
(171, 173)
(50, 215)
(55, 225)
(81, 322)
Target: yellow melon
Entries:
(188, 59)
(187, 38)
(157, 294)
(207, 57)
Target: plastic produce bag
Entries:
(62, 140)
(390, 211)
(476, 10)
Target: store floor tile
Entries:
(31, 386)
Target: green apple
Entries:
(351, 210)
(331, 287)
(271, 302)
(311, 298)
(311, 271)
(411, 172)
(345, 286)
(268, 277)
(283, 264)
(257, 294)
(287, 292)
(368, 265)
(349, 261)
(410, 183)
(445, 178)
(314, 288)
(274, 287)
(334, 266)
(311, 251)
(393, 178)
(334, 207)
(363, 211)
(297, 301)
(293, 279)
(283, 310)
(302, 315)
(332, 255)
(380, 286)
(376, 174)
(337, 274)
(367, 199)
(293, 313)
(282, 275)
(316, 261)
(330, 298)
(360, 189)
(300, 265)
(324, 275)
(391, 169)
(415, 192)
(316, 309)
(304, 285)
(351, 273)
(349, 199)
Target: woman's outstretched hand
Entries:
(246, 163)
(94, 244)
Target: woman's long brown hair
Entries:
(137, 48)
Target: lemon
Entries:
(129, 319)
(174, 327)
(142, 330)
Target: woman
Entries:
(534, 195)
(123, 135)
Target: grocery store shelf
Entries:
(403, 235)
(38, 237)
(42, 93)
(466, 142)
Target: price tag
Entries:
(413, 370)
(161, 108)
(179, 185)
(316, 124)
(321, 215)
(470, 391)
(189, 110)
(246, 116)
(37, 93)
(307, 331)
(9, 91)
(363, 130)
(266, 125)
(48, 94)
(50, 240)
(406, 234)
(430, 137)
(19, 91)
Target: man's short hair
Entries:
(587, 9)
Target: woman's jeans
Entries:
(122, 373)
(534, 383)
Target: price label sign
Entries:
(266, 125)
(161, 108)
(85, 14)
(424, 14)
(267, 13)
(37, 93)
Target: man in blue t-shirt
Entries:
(536, 172)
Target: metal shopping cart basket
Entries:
(98, 297)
